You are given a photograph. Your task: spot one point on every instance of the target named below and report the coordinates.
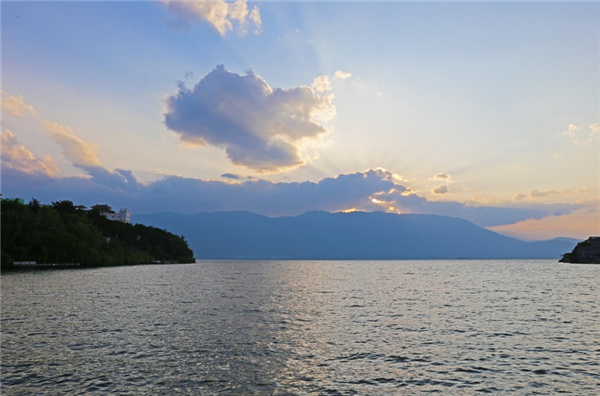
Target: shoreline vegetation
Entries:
(62, 235)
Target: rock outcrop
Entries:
(586, 252)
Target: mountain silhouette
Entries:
(346, 236)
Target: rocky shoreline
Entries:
(586, 252)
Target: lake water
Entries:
(303, 328)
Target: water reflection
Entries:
(303, 327)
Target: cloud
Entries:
(21, 160)
(595, 130)
(118, 179)
(259, 127)
(16, 106)
(580, 135)
(342, 75)
(579, 224)
(321, 84)
(254, 16)
(16, 156)
(376, 189)
(402, 201)
(173, 193)
(441, 190)
(231, 176)
(442, 176)
(220, 14)
(535, 194)
(547, 193)
(78, 152)
(276, 199)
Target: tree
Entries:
(64, 206)
(35, 205)
(62, 234)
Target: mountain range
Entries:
(346, 236)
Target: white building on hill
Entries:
(123, 216)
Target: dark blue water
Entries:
(304, 327)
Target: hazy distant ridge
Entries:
(357, 235)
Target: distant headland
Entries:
(63, 235)
(586, 252)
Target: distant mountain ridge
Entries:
(349, 236)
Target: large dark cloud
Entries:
(172, 193)
(273, 199)
(370, 190)
(258, 126)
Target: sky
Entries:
(489, 111)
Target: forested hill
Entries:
(61, 233)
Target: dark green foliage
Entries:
(61, 233)
(35, 205)
(63, 206)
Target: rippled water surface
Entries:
(304, 327)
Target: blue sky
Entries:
(483, 110)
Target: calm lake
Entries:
(304, 327)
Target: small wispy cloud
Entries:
(324, 83)
(222, 15)
(17, 156)
(442, 176)
(441, 190)
(80, 153)
(537, 194)
(582, 135)
(578, 224)
(595, 130)
(342, 75)
(75, 149)
(231, 176)
(15, 105)
(542, 194)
